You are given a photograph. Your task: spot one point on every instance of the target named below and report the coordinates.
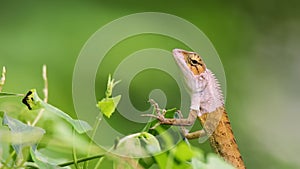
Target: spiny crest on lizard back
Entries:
(194, 62)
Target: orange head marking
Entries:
(194, 62)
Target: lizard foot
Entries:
(160, 114)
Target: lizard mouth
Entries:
(189, 76)
(180, 59)
(189, 61)
(179, 56)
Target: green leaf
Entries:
(197, 161)
(43, 161)
(108, 105)
(183, 152)
(198, 164)
(179, 157)
(5, 94)
(169, 114)
(162, 159)
(32, 101)
(30, 165)
(150, 142)
(198, 153)
(215, 162)
(138, 145)
(25, 137)
(28, 135)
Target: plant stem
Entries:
(45, 91)
(38, 117)
(99, 162)
(74, 151)
(10, 157)
(31, 165)
(95, 127)
(4, 165)
(2, 80)
(81, 160)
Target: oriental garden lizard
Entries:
(207, 105)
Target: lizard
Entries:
(207, 104)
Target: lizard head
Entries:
(190, 61)
(192, 67)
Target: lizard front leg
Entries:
(172, 121)
(177, 122)
(191, 135)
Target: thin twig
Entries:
(45, 91)
(2, 80)
(95, 127)
(99, 162)
(74, 151)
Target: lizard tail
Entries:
(222, 139)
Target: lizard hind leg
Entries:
(190, 135)
(200, 134)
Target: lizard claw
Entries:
(159, 117)
(156, 125)
(155, 105)
(160, 114)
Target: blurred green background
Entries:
(257, 41)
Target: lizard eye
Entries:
(194, 62)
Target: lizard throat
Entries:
(208, 97)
